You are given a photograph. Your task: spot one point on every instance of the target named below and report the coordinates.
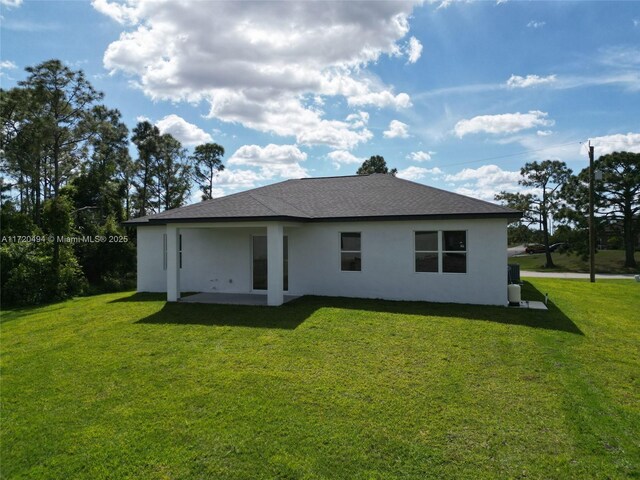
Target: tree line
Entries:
(564, 199)
(67, 172)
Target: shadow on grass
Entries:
(148, 297)
(287, 316)
(294, 313)
(142, 297)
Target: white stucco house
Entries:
(371, 236)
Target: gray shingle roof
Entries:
(358, 197)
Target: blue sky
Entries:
(455, 94)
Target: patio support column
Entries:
(173, 267)
(275, 268)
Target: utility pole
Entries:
(592, 225)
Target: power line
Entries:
(524, 152)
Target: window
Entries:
(164, 251)
(350, 252)
(426, 251)
(443, 251)
(454, 252)
(259, 253)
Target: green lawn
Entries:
(607, 261)
(127, 386)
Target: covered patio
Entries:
(237, 262)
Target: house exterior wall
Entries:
(219, 260)
(388, 262)
(151, 275)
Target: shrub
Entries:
(614, 243)
(28, 276)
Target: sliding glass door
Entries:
(259, 264)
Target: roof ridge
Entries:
(261, 203)
(336, 176)
(287, 203)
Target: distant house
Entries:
(372, 236)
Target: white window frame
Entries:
(251, 263)
(437, 252)
(465, 251)
(441, 251)
(349, 251)
(164, 251)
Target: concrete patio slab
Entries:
(231, 298)
(533, 305)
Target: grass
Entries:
(607, 261)
(127, 386)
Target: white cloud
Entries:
(536, 24)
(420, 156)
(417, 173)
(342, 157)
(613, 143)
(120, 12)
(11, 3)
(380, 99)
(516, 81)
(544, 133)
(238, 179)
(142, 118)
(358, 120)
(262, 62)
(442, 4)
(7, 65)
(414, 50)
(486, 174)
(622, 74)
(335, 134)
(257, 156)
(619, 56)
(504, 123)
(231, 179)
(187, 133)
(636, 22)
(274, 160)
(396, 129)
(485, 181)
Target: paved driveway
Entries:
(519, 250)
